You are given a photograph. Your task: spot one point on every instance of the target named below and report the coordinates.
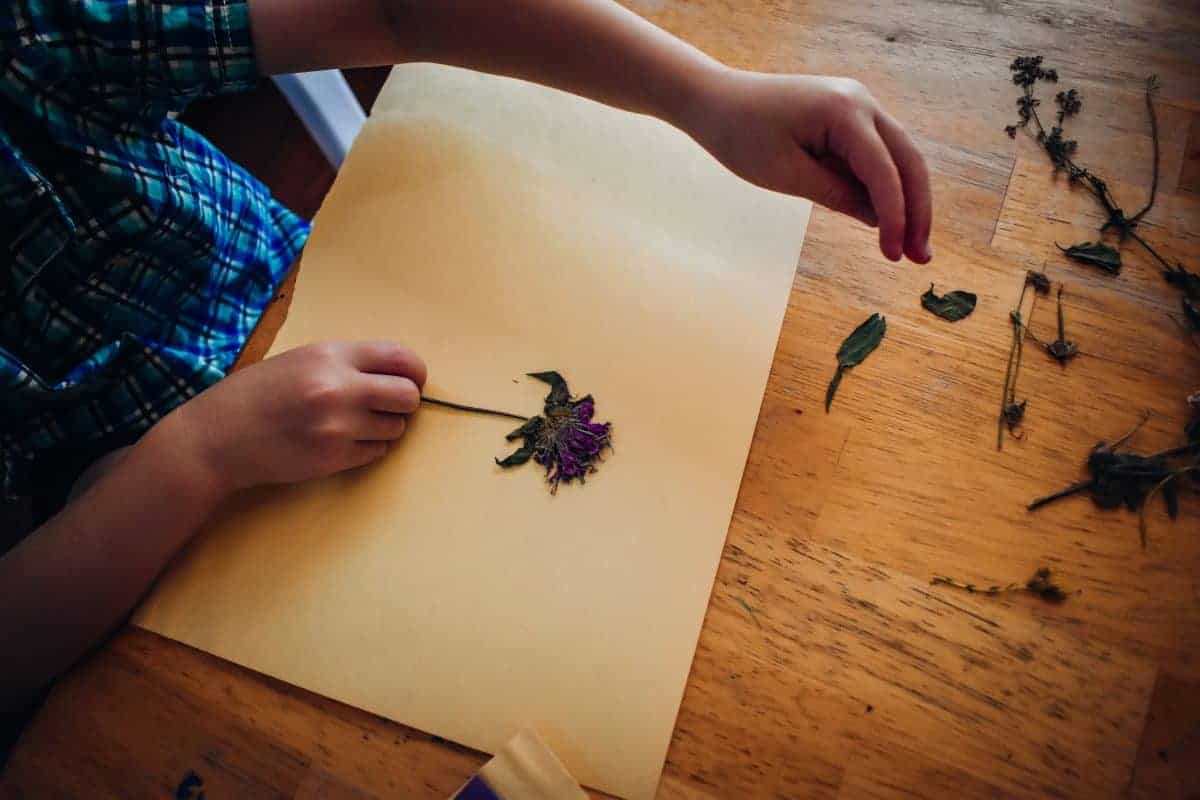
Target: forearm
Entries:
(594, 48)
(73, 579)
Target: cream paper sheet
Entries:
(501, 228)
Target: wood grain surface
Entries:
(828, 666)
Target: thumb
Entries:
(828, 182)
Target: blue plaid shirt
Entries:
(135, 258)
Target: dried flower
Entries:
(564, 440)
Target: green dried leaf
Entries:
(519, 457)
(559, 393)
(951, 306)
(1095, 253)
(857, 346)
(530, 428)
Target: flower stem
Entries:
(472, 409)
(1074, 488)
(973, 589)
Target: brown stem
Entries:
(1152, 251)
(1062, 336)
(1151, 85)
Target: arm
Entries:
(72, 579)
(305, 413)
(594, 48)
(822, 138)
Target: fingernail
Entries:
(926, 252)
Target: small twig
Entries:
(1176, 452)
(1062, 333)
(1165, 264)
(1151, 86)
(1129, 435)
(973, 589)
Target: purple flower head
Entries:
(564, 440)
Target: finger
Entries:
(388, 358)
(868, 156)
(363, 453)
(380, 426)
(831, 183)
(914, 175)
(388, 393)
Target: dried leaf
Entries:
(519, 457)
(857, 346)
(559, 393)
(1041, 584)
(1095, 253)
(530, 428)
(951, 306)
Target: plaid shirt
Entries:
(135, 258)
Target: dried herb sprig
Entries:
(1012, 413)
(1041, 584)
(1061, 349)
(1027, 71)
(1132, 479)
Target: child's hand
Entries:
(825, 139)
(308, 412)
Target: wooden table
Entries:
(828, 666)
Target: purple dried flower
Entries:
(564, 440)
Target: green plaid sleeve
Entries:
(140, 57)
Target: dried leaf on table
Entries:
(1094, 253)
(951, 306)
(857, 346)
